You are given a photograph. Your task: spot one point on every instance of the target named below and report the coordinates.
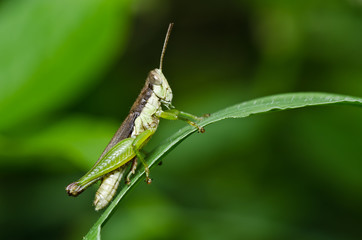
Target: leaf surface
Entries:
(244, 109)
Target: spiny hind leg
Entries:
(145, 165)
(137, 144)
(133, 168)
(132, 171)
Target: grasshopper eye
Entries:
(155, 78)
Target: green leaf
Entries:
(245, 109)
(52, 50)
(94, 233)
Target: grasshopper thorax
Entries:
(160, 87)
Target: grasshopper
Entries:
(135, 131)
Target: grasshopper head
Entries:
(160, 87)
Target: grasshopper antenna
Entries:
(165, 44)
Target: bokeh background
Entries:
(70, 70)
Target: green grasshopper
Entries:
(132, 135)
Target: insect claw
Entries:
(148, 180)
(201, 129)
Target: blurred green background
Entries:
(70, 71)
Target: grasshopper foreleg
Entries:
(174, 114)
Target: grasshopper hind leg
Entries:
(74, 189)
(133, 168)
(132, 171)
(145, 165)
(137, 144)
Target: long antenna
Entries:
(165, 44)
